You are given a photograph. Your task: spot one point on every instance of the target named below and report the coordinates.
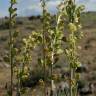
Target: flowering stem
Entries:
(11, 48)
(12, 16)
(43, 43)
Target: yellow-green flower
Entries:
(72, 27)
(79, 26)
(25, 69)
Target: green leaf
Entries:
(40, 61)
(13, 1)
(14, 15)
(12, 10)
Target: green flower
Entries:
(72, 27)
(79, 26)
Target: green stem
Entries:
(11, 49)
(43, 43)
(52, 62)
(71, 20)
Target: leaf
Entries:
(40, 61)
(39, 38)
(13, 1)
(12, 10)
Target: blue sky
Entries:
(32, 7)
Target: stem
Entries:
(52, 81)
(11, 49)
(71, 80)
(52, 60)
(71, 20)
(43, 43)
(18, 84)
